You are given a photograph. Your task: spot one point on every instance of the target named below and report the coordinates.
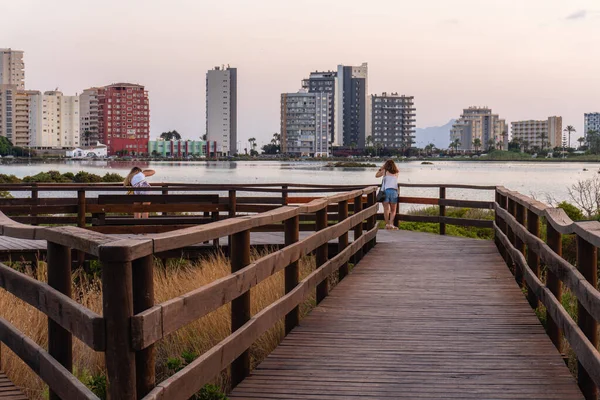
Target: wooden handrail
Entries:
(58, 378)
(581, 280)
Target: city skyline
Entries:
(526, 61)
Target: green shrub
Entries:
(112, 177)
(572, 211)
(189, 356)
(9, 179)
(5, 195)
(97, 384)
(86, 177)
(210, 392)
(174, 364)
(46, 177)
(69, 175)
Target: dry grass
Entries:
(178, 278)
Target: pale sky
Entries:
(526, 59)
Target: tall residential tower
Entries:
(479, 123)
(221, 109)
(12, 68)
(353, 108)
(305, 124)
(393, 120)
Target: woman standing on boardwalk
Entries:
(137, 180)
(389, 172)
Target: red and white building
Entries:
(124, 118)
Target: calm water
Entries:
(537, 179)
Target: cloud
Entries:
(581, 14)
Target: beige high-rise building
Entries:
(480, 123)
(12, 68)
(538, 133)
(14, 114)
(53, 120)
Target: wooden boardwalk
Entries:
(8, 391)
(421, 317)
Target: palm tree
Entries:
(477, 144)
(491, 144)
(429, 148)
(543, 137)
(500, 145)
(455, 144)
(526, 145)
(369, 140)
(581, 141)
(569, 129)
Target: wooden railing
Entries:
(131, 323)
(442, 202)
(517, 228)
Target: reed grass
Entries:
(174, 351)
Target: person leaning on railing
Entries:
(136, 179)
(389, 185)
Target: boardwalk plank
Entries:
(8, 391)
(421, 317)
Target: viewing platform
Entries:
(397, 314)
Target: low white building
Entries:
(100, 150)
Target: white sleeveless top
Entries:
(390, 181)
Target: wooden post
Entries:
(343, 240)
(292, 271)
(36, 201)
(117, 304)
(215, 217)
(555, 285)
(587, 263)
(519, 214)
(371, 221)
(358, 229)
(232, 201)
(442, 211)
(321, 255)
(504, 227)
(80, 223)
(533, 260)
(165, 192)
(60, 340)
(143, 299)
(284, 195)
(511, 237)
(240, 307)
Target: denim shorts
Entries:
(391, 196)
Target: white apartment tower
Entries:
(305, 123)
(479, 123)
(88, 116)
(12, 68)
(221, 109)
(53, 120)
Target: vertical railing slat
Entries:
(343, 240)
(240, 307)
(554, 239)
(442, 211)
(587, 263)
(321, 255)
(292, 271)
(143, 299)
(60, 340)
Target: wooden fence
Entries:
(517, 229)
(131, 323)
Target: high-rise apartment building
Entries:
(53, 120)
(393, 120)
(221, 109)
(326, 82)
(479, 123)
(543, 134)
(12, 68)
(591, 122)
(305, 123)
(22, 109)
(353, 108)
(88, 116)
(124, 118)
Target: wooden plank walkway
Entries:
(421, 317)
(8, 391)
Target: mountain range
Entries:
(438, 135)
